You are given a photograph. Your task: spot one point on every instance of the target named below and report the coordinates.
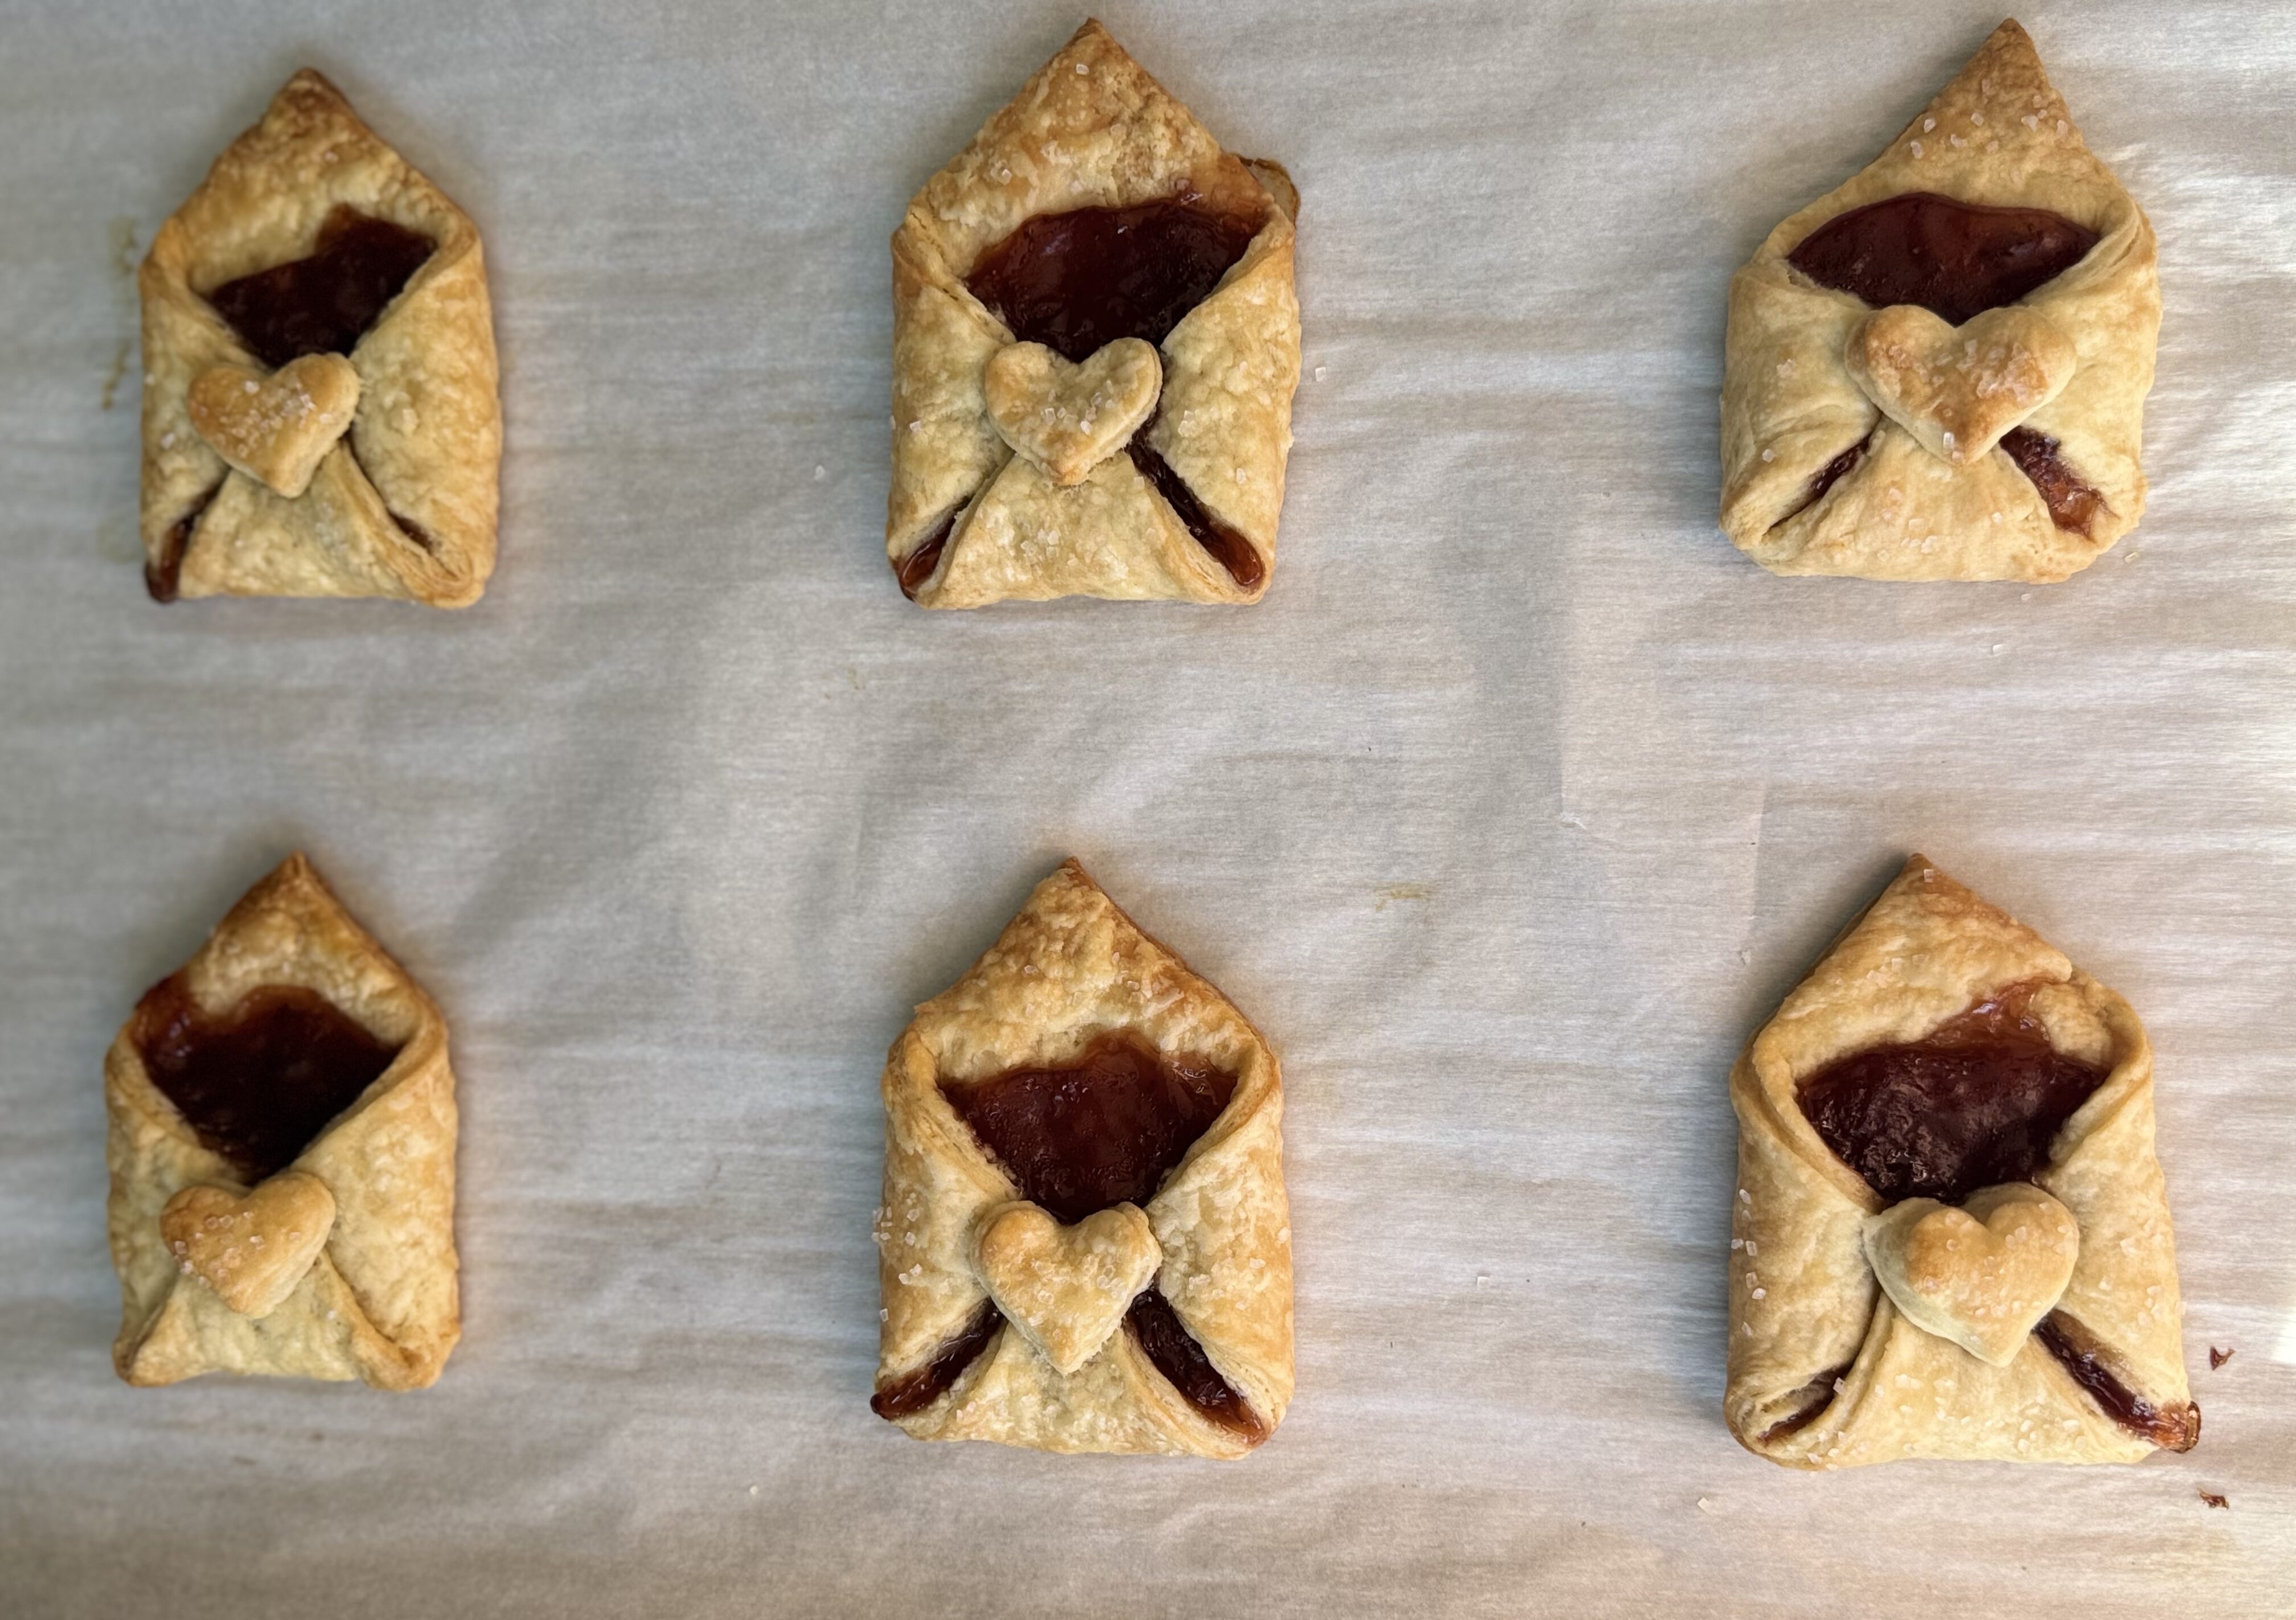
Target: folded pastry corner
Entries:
(1938, 369)
(1095, 344)
(1950, 1237)
(282, 1148)
(1084, 1245)
(321, 415)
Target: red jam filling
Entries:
(257, 1084)
(914, 570)
(1076, 282)
(2072, 504)
(322, 304)
(164, 579)
(1954, 260)
(915, 1391)
(2176, 1428)
(1974, 1103)
(1105, 1129)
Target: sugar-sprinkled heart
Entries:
(1065, 1288)
(1959, 389)
(1981, 1276)
(277, 428)
(1070, 418)
(252, 1247)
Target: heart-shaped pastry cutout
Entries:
(1069, 418)
(253, 1247)
(1959, 389)
(277, 428)
(1065, 1288)
(1983, 1275)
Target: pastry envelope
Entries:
(1155, 1323)
(358, 457)
(1019, 472)
(1896, 444)
(1828, 1367)
(337, 1264)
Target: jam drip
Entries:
(1228, 548)
(914, 570)
(1104, 1130)
(1155, 1327)
(915, 1391)
(1973, 1104)
(2175, 1429)
(165, 578)
(1815, 1397)
(1077, 280)
(2072, 504)
(1954, 260)
(256, 1083)
(1107, 1129)
(322, 304)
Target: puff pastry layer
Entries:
(1892, 444)
(1006, 1320)
(1826, 1369)
(380, 483)
(338, 1263)
(996, 495)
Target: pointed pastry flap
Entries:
(1090, 129)
(427, 436)
(289, 977)
(1999, 134)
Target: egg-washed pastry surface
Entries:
(1095, 344)
(1084, 1245)
(1951, 1236)
(321, 415)
(1938, 371)
(282, 1148)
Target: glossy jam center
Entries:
(322, 304)
(1105, 1129)
(258, 1083)
(1973, 1104)
(1954, 260)
(1077, 280)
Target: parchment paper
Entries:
(1509, 815)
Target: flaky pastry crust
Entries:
(380, 1302)
(1068, 968)
(1793, 400)
(1824, 1370)
(404, 503)
(1091, 129)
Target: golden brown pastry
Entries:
(1095, 343)
(320, 412)
(1951, 1236)
(1084, 1244)
(1938, 371)
(283, 1156)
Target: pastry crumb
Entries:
(2217, 1358)
(2214, 1501)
